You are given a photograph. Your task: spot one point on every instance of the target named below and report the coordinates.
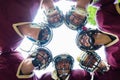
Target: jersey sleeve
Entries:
(19, 73)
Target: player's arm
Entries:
(39, 59)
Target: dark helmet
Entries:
(51, 11)
(64, 57)
(90, 34)
(36, 61)
(45, 35)
(68, 22)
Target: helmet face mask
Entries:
(80, 41)
(91, 62)
(78, 15)
(63, 64)
(63, 68)
(54, 17)
(41, 57)
(78, 18)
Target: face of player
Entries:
(76, 19)
(93, 62)
(43, 57)
(84, 40)
(63, 68)
(99, 39)
(54, 18)
(45, 34)
(100, 67)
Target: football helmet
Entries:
(91, 62)
(63, 64)
(78, 11)
(90, 34)
(41, 57)
(64, 57)
(52, 14)
(45, 35)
